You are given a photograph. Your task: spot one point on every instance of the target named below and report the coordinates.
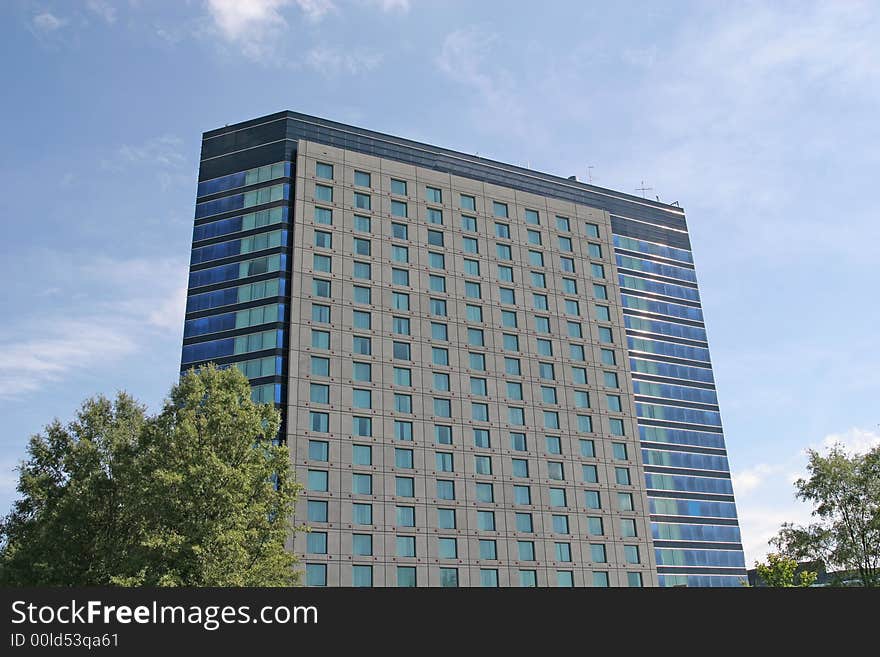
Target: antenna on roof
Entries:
(590, 173)
(644, 190)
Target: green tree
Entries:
(845, 493)
(781, 572)
(198, 495)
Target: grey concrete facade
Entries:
(338, 559)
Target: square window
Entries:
(595, 526)
(595, 250)
(505, 273)
(605, 334)
(526, 550)
(531, 217)
(398, 187)
(591, 474)
(362, 371)
(362, 484)
(324, 216)
(588, 448)
(433, 195)
(403, 430)
(361, 178)
(441, 380)
(361, 455)
(435, 238)
(403, 458)
(406, 516)
(524, 522)
(557, 497)
(400, 325)
(563, 552)
(398, 209)
(362, 576)
(608, 357)
(592, 230)
(320, 366)
(399, 276)
(518, 442)
(362, 201)
(436, 260)
(361, 320)
(399, 232)
(361, 514)
(361, 223)
(467, 202)
(634, 580)
(499, 209)
(361, 345)
(631, 553)
(489, 577)
(317, 480)
(592, 499)
(437, 283)
(522, 495)
(554, 444)
(317, 511)
(319, 422)
(445, 489)
(406, 577)
(403, 487)
(319, 450)
(469, 223)
(434, 216)
(575, 330)
(597, 553)
(449, 577)
(320, 313)
(482, 439)
(520, 467)
(483, 465)
(598, 271)
(503, 252)
(324, 193)
(484, 492)
(362, 295)
(486, 521)
(362, 426)
(534, 237)
(619, 451)
(316, 574)
(361, 398)
(323, 240)
(446, 518)
(400, 350)
(439, 331)
(621, 476)
(323, 170)
(610, 379)
(471, 267)
(628, 529)
(488, 549)
(560, 524)
(625, 502)
(442, 434)
(502, 230)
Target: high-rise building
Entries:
(489, 376)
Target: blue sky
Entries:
(760, 119)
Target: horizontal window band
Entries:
(662, 337)
(231, 333)
(234, 213)
(238, 282)
(651, 276)
(682, 495)
(241, 257)
(231, 237)
(639, 376)
(250, 355)
(687, 472)
(675, 447)
(665, 401)
(244, 305)
(694, 520)
(701, 570)
(644, 314)
(698, 545)
(660, 297)
(651, 257)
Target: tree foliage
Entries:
(845, 493)
(198, 495)
(781, 572)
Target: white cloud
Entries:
(853, 441)
(103, 9)
(129, 302)
(466, 57)
(255, 25)
(759, 523)
(332, 61)
(746, 481)
(47, 22)
(390, 5)
(162, 151)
